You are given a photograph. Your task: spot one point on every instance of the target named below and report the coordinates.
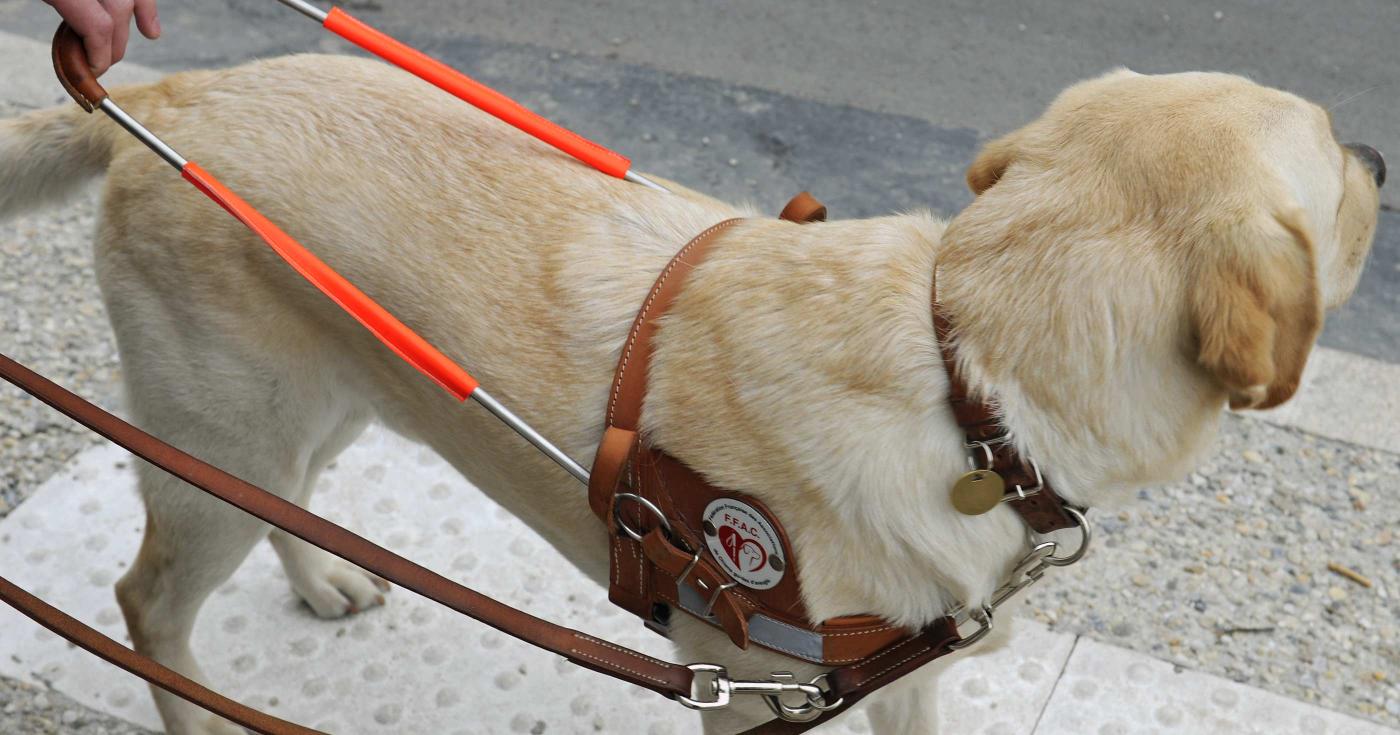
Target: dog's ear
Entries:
(1256, 308)
(991, 162)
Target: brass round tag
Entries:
(977, 492)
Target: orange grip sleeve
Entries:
(392, 332)
(454, 82)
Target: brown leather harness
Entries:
(654, 507)
(666, 523)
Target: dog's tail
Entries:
(46, 155)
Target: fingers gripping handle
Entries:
(70, 63)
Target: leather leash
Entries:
(630, 666)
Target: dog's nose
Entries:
(1373, 159)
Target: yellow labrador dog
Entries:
(1149, 250)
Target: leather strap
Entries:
(853, 683)
(676, 570)
(1042, 510)
(633, 585)
(623, 663)
(115, 653)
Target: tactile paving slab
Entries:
(1107, 690)
(411, 666)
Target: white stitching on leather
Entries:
(894, 666)
(616, 574)
(628, 652)
(612, 665)
(642, 317)
(872, 631)
(892, 651)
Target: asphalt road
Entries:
(874, 106)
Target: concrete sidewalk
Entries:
(1194, 581)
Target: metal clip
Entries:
(718, 689)
(1028, 571)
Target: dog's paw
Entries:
(333, 587)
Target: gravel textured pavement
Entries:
(28, 709)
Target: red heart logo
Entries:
(729, 539)
(747, 554)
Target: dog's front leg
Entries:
(910, 705)
(907, 706)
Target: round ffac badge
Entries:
(744, 543)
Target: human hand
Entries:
(104, 26)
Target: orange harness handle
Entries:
(469, 90)
(405, 342)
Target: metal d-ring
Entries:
(823, 686)
(983, 618)
(647, 504)
(1085, 536)
(986, 452)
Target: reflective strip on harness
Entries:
(763, 630)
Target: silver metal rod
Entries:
(306, 9)
(141, 133)
(637, 178)
(534, 437)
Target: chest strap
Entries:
(654, 506)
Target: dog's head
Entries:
(1261, 215)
